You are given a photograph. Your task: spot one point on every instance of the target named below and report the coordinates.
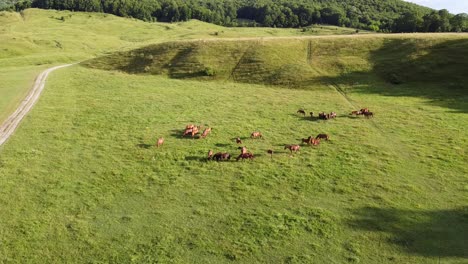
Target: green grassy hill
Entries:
(300, 61)
(35, 39)
(396, 63)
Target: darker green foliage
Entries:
(378, 15)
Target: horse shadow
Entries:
(304, 118)
(144, 145)
(196, 158)
(177, 133)
(222, 145)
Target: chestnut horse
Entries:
(205, 132)
(292, 148)
(256, 135)
(221, 156)
(160, 142)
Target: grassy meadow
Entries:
(82, 181)
(42, 38)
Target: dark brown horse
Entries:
(301, 111)
(324, 116)
(221, 156)
(306, 140)
(270, 152)
(322, 136)
(244, 156)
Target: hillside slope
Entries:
(35, 39)
(296, 62)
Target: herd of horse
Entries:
(193, 130)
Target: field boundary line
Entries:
(12, 122)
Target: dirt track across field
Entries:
(13, 121)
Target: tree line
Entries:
(375, 15)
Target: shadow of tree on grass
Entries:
(441, 233)
(415, 68)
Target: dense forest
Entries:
(375, 15)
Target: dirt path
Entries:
(12, 122)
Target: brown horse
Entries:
(244, 156)
(256, 135)
(324, 116)
(221, 156)
(191, 131)
(301, 111)
(333, 115)
(315, 141)
(364, 110)
(270, 152)
(243, 150)
(368, 114)
(306, 140)
(160, 142)
(356, 113)
(205, 132)
(292, 148)
(322, 136)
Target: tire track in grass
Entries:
(12, 122)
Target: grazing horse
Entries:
(270, 152)
(244, 156)
(356, 113)
(324, 116)
(315, 141)
(292, 148)
(221, 156)
(306, 140)
(243, 150)
(322, 136)
(160, 142)
(192, 131)
(368, 114)
(205, 132)
(301, 111)
(210, 154)
(256, 135)
(238, 140)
